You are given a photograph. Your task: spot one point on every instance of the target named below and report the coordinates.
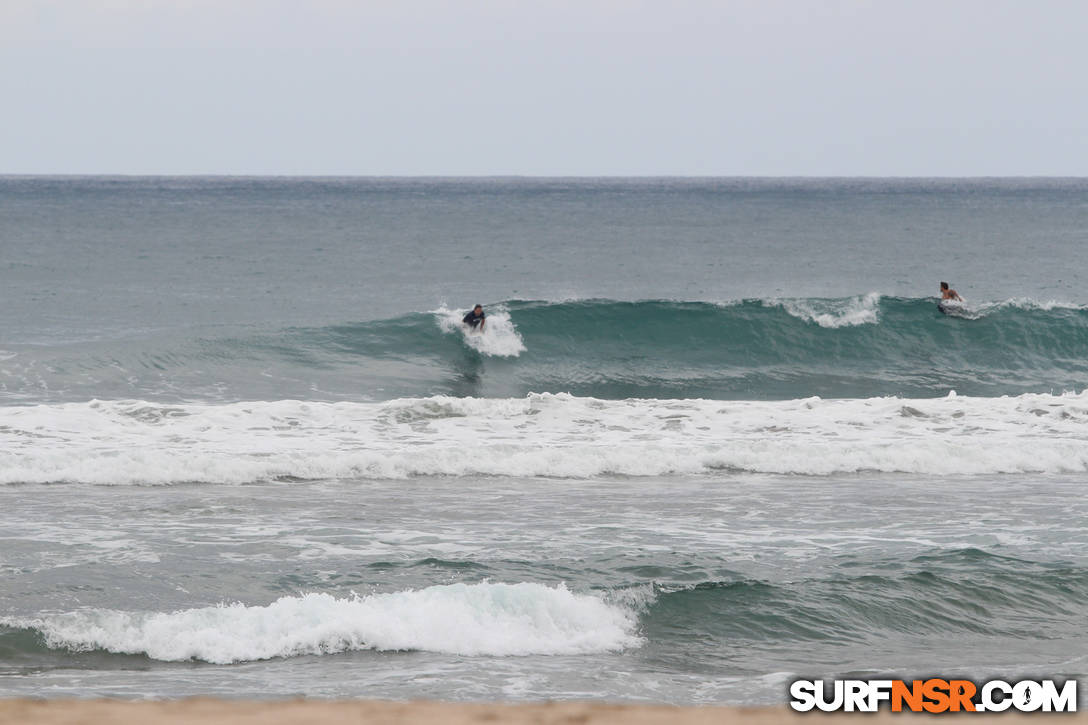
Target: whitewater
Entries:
(863, 346)
(476, 619)
(716, 436)
(559, 436)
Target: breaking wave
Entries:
(775, 349)
(540, 435)
(463, 619)
(975, 592)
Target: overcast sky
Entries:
(549, 87)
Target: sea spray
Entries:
(833, 313)
(498, 337)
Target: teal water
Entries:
(714, 590)
(774, 349)
(717, 435)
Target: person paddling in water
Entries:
(475, 318)
(947, 293)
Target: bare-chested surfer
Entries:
(947, 293)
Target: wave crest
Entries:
(863, 346)
(834, 313)
(463, 619)
(499, 338)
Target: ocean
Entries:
(715, 437)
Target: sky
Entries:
(545, 87)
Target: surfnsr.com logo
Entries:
(934, 695)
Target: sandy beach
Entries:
(208, 711)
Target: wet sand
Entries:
(208, 711)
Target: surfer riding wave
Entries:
(951, 303)
(475, 318)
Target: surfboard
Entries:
(955, 308)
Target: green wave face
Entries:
(753, 349)
(863, 346)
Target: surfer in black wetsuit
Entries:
(947, 293)
(475, 318)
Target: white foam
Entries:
(849, 312)
(134, 442)
(1027, 303)
(463, 619)
(499, 338)
(980, 311)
